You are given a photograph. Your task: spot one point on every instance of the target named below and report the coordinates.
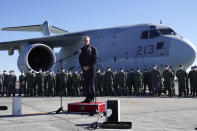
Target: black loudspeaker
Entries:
(114, 105)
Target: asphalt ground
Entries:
(146, 114)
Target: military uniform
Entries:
(34, 84)
(108, 88)
(40, 79)
(139, 83)
(45, 86)
(156, 83)
(187, 85)
(116, 84)
(195, 85)
(5, 83)
(130, 82)
(30, 83)
(76, 84)
(82, 90)
(167, 75)
(70, 85)
(51, 84)
(63, 81)
(11, 84)
(57, 87)
(22, 85)
(99, 84)
(192, 75)
(173, 83)
(1, 85)
(181, 75)
(146, 82)
(122, 77)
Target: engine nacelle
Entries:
(36, 56)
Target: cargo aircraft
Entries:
(127, 46)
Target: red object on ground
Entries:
(86, 107)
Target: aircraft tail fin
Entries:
(44, 28)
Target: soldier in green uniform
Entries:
(99, 83)
(108, 78)
(156, 82)
(146, 81)
(191, 77)
(173, 80)
(22, 84)
(12, 83)
(182, 76)
(51, 83)
(70, 84)
(34, 84)
(167, 75)
(129, 81)
(30, 83)
(40, 79)
(139, 82)
(1, 84)
(187, 83)
(122, 77)
(57, 88)
(195, 83)
(116, 84)
(63, 81)
(76, 83)
(82, 91)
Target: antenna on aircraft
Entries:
(160, 22)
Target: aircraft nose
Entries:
(182, 52)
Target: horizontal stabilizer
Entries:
(45, 28)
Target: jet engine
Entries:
(35, 57)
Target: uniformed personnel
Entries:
(122, 77)
(167, 75)
(22, 84)
(156, 82)
(40, 79)
(182, 76)
(139, 82)
(108, 85)
(76, 83)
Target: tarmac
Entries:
(146, 114)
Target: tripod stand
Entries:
(61, 107)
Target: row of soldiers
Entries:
(158, 82)
(8, 83)
(107, 83)
(136, 83)
(41, 84)
(64, 83)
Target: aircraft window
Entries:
(144, 35)
(152, 27)
(167, 31)
(160, 45)
(154, 33)
(115, 59)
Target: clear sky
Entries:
(76, 15)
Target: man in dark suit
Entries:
(87, 60)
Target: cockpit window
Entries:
(154, 33)
(144, 35)
(167, 31)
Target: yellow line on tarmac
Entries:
(37, 113)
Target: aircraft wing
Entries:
(52, 41)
